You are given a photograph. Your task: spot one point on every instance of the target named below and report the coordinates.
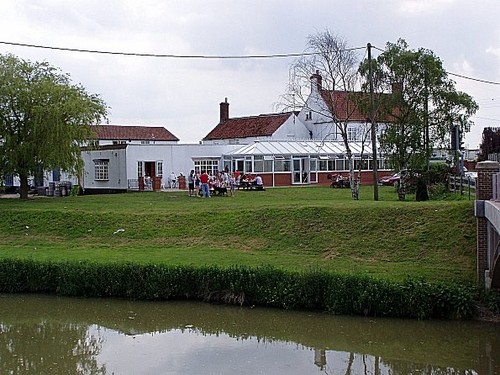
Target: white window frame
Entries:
(101, 169)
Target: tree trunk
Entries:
(23, 189)
(352, 179)
(402, 188)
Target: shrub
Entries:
(438, 173)
(438, 191)
(266, 286)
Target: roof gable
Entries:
(137, 133)
(244, 127)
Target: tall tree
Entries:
(330, 61)
(424, 104)
(490, 143)
(44, 119)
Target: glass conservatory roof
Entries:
(300, 148)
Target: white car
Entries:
(470, 175)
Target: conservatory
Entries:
(285, 163)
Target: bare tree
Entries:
(323, 83)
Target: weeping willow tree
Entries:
(44, 119)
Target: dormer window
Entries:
(308, 115)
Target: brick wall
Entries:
(484, 191)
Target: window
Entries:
(248, 165)
(211, 166)
(313, 165)
(309, 115)
(159, 168)
(140, 169)
(361, 164)
(281, 165)
(258, 164)
(352, 134)
(268, 165)
(323, 165)
(101, 169)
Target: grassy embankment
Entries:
(308, 230)
(295, 229)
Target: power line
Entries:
(211, 57)
(474, 79)
(486, 118)
(459, 75)
(173, 56)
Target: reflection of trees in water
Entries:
(355, 363)
(48, 348)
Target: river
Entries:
(55, 335)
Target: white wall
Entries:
(177, 158)
(117, 169)
(293, 128)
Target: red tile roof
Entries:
(243, 127)
(135, 133)
(345, 106)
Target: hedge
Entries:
(263, 286)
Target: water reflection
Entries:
(51, 335)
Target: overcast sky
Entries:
(184, 94)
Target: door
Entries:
(300, 170)
(313, 170)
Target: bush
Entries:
(438, 191)
(266, 286)
(438, 173)
(492, 300)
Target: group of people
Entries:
(222, 183)
(338, 180)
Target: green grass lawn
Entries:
(291, 228)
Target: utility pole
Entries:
(426, 126)
(373, 125)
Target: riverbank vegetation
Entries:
(294, 248)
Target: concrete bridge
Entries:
(487, 212)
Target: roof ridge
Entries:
(261, 115)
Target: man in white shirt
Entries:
(259, 185)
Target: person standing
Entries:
(191, 179)
(173, 180)
(232, 184)
(204, 179)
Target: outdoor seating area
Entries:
(338, 181)
(222, 183)
(250, 182)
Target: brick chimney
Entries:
(316, 82)
(224, 111)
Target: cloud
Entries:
(421, 7)
(183, 95)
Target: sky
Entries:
(183, 95)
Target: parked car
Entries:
(471, 175)
(390, 180)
